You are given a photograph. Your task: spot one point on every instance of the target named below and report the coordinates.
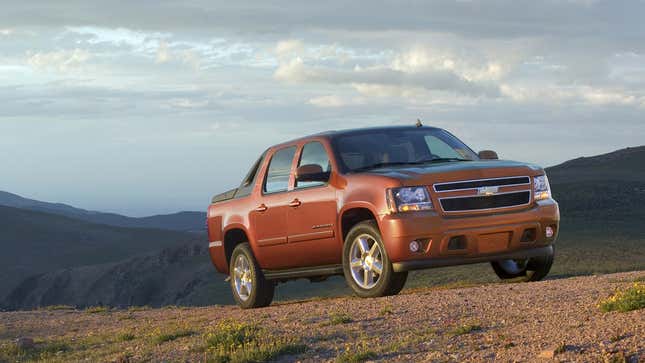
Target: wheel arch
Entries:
(354, 214)
(233, 236)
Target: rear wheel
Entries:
(250, 288)
(530, 269)
(366, 266)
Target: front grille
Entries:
(474, 184)
(504, 200)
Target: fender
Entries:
(354, 205)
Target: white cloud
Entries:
(331, 101)
(61, 60)
(163, 55)
(6, 32)
(429, 78)
(288, 47)
(565, 94)
(186, 57)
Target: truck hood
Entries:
(454, 171)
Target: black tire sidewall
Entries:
(539, 268)
(262, 290)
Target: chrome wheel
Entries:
(513, 267)
(366, 261)
(242, 277)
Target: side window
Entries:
(246, 187)
(277, 178)
(439, 148)
(314, 153)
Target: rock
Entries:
(547, 354)
(24, 343)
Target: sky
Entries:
(152, 107)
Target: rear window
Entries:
(277, 178)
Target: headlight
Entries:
(408, 199)
(541, 188)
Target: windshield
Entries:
(378, 148)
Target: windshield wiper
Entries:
(438, 160)
(380, 165)
(399, 163)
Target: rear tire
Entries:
(531, 269)
(250, 288)
(366, 266)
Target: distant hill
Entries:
(622, 165)
(175, 276)
(604, 187)
(33, 242)
(602, 203)
(181, 221)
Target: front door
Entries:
(312, 215)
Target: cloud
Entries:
(560, 95)
(288, 47)
(61, 60)
(186, 57)
(444, 79)
(334, 101)
(167, 75)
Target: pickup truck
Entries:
(372, 204)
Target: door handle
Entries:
(295, 203)
(261, 208)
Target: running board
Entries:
(296, 273)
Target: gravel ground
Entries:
(550, 320)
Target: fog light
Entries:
(414, 246)
(549, 232)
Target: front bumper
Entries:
(483, 238)
(453, 261)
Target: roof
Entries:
(336, 133)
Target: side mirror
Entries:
(488, 155)
(311, 173)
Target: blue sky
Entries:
(153, 107)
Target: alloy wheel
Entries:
(366, 261)
(242, 276)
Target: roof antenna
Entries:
(419, 124)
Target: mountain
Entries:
(182, 221)
(602, 203)
(622, 165)
(34, 242)
(181, 275)
(608, 187)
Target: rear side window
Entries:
(249, 180)
(314, 153)
(277, 178)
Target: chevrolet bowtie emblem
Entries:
(487, 191)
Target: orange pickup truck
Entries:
(372, 204)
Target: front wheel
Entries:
(530, 269)
(366, 266)
(250, 288)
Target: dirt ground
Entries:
(556, 319)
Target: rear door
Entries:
(311, 216)
(269, 218)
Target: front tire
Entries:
(250, 288)
(531, 269)
(366, 266)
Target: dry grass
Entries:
(235, 342)
(632, 298)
